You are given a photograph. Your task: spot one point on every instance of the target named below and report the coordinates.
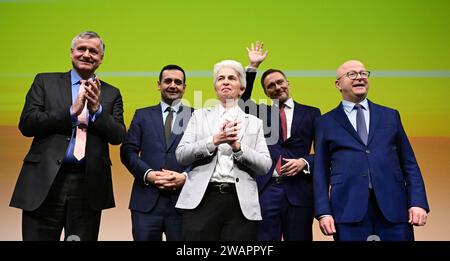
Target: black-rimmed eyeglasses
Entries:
(352, 75)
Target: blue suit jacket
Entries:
(298, 188)
(344, 162)
(145, 148)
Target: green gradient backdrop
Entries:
(143, 36)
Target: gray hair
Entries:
(237, 66)
(88, 35)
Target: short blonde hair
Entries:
(237, 66)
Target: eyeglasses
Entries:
(352, 75)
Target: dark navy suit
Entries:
(145, 148)
(344, 162)
(293, 196)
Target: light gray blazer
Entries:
(192, 151)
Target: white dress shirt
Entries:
(289, 111)
(225, 160)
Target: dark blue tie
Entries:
(361, 127)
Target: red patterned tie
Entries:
(80, 136)
(284, 134)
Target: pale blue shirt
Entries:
(351, 113)
(75, 86)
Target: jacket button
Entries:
(67, 139)
(59, 162)
(367, 151)
(237, 179)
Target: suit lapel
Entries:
(179, 125)
(66, 89)
(156, 115)
(172, 138)
(340, 116)
(374, 119)
(243, 118)
(296, 119)
(213, 119)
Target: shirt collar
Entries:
(231, 111)
(175, 107)
(348, 105)
(289, 103)
(74, 77)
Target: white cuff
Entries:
(324, 216)
(145, 177)
(251, 69)
(306, 169)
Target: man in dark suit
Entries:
(286, 195)
(65, 179)
(148, 152)
(362, 151)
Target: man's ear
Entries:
(338, 86)
(158, 85)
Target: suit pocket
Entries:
(32, 158)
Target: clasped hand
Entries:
(228, 133)
(91, 94)
(166, 179)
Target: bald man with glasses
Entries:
(363, 154)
